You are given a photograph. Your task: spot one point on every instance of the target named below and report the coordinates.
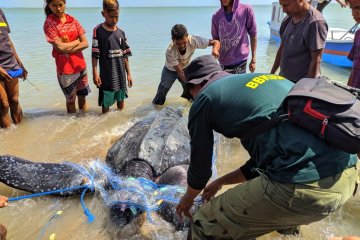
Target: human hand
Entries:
(211, 190)
(345, 238)
(215, 53)
(184, 206)
(97, 80)
(4, 201)
(64, 39)
(342, 3)
(4, 76)
(252, 66)
(25, 73)
(130, 81)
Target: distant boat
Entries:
(338, 43)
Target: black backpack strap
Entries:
(253, 129)
(354, 91)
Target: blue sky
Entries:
(124, 3)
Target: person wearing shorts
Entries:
(111, 49)
(11, 69)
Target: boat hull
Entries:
(336, 53)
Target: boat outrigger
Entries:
(338, 43)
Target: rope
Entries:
(136, 194)
(47, 193)
(87, 212)
(90, 217)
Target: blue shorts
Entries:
(15, 73)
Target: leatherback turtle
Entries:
(156, 148)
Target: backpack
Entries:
(329, 110)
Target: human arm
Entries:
(95, 56)
(82, 45)
(253, 44)
(65, 47)
(315, 39)
(71, 47)
(234, 177)
(351, 58)
(186, 202)
(96, 77)
(342, 4)
(252, 31)
(279, 52)
(216, 48)
(315, 64)
(25, 72)
(346, 238)
(180, 72)
(276, 64)
(83, 42)
(350, 81)
(215, 35)
(127, 69)
(202, 43)
(202, 141)
(215, 28)
(172, 60)
(4, 201)
(127, 53)
(4, 76)
(248, 171)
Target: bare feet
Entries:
(121, 105)
(82, 103)
(70, 107)
(105, 109)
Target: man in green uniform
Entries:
(292, 177)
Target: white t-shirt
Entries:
(173, 56)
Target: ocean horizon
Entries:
(132, 3)
(79, 7)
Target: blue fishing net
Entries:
(137, 194)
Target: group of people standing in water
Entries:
(292, 177)
(67, 36)
(109, 48)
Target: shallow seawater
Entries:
(48, 134)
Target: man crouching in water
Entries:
(302, 179)
(3, 231)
